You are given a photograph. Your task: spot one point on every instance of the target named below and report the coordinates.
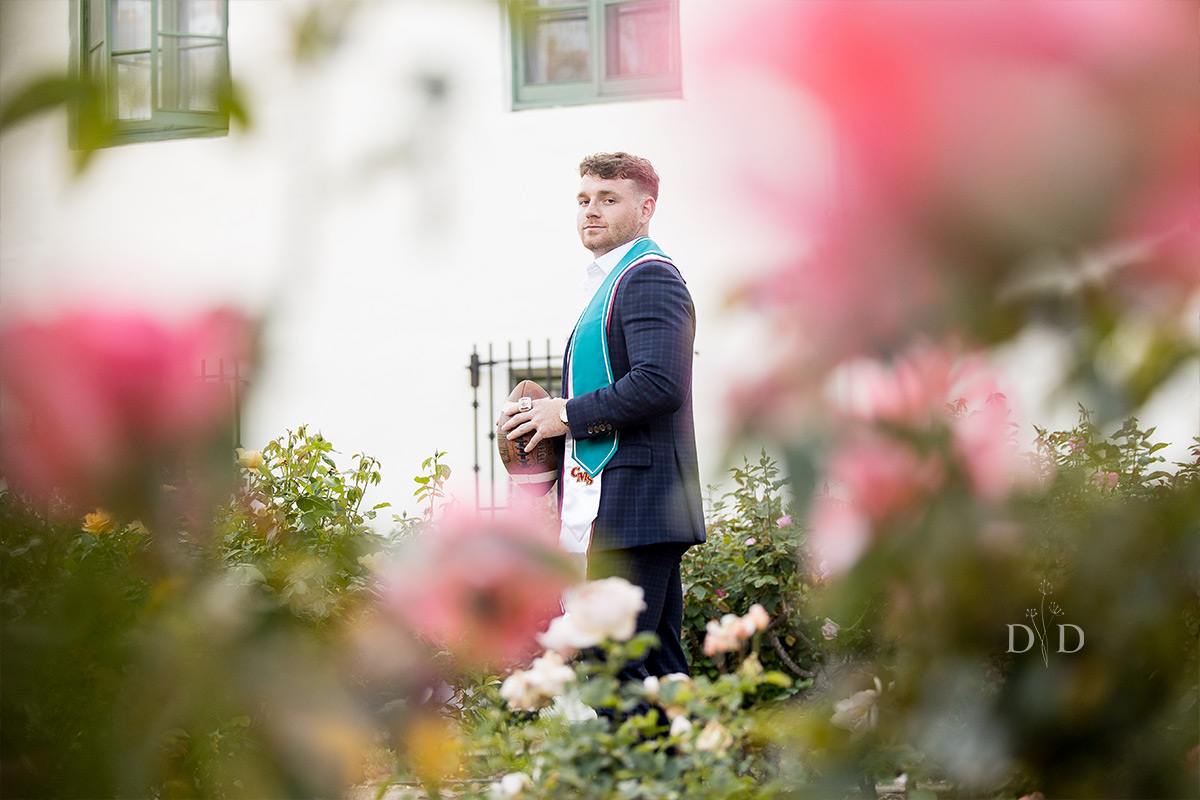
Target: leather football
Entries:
(534, 472)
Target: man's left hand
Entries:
(543, 421)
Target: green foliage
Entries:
(297, 529)
(1107, 542)
(135, 676)
(720, 753)
(163, 663)
(431, 484)
(751, 558)
(69, 600)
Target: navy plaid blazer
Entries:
(650, 490)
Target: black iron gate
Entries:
(490, 390)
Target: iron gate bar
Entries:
(236, 381)
(546, 372)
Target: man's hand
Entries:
(542, 421)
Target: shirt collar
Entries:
(598, 270)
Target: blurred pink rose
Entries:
(972, 139)
(883, 476)
(759, 617)
(920, 386)
(985, 443)
(1106, 480)
(784, 522)
(481, 589)
(839, 535)
(101, 406)
(723, 635)
(731, 631)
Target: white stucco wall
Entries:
(381, 233)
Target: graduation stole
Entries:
(588, 360)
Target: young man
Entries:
(629, 485)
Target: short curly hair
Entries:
(610, 166)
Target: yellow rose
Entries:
(250, 459)
(99, 521)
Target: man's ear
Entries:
(647, 209)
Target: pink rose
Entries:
(943, 196)
(883, 476)
(784, 522)
(482, 589)
(102, 404)
(839, 535)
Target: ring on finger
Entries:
(525, 404)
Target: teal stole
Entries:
(588, 360)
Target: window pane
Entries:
(638, 39)
(95, 22)
(556, 46)
(131, 25)
(205, 17)
(190, 73)
(133, 86)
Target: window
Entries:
(591, 51)
(160, 67)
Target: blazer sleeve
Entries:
(657, 324)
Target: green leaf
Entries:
(40, 95)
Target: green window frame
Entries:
(160, 69)
(571, 52)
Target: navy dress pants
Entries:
(655, 568)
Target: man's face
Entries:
(611, 213)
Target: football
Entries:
(534, 472)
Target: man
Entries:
(629, 487)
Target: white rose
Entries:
(605, 609)
(517, 691)
(715, 738)
(829, 630)
(536, 687)
(550, 674)
(675, 705)
(859, 712)
(681, 727)
(513, 784)
(564, 637)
